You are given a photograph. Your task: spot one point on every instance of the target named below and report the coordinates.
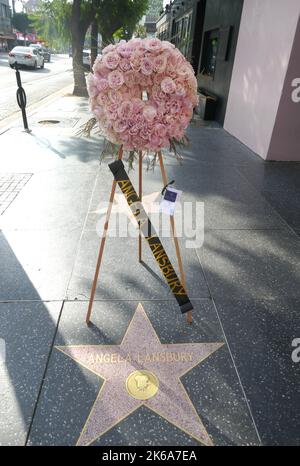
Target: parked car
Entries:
(25, 56)
(86, 58)
(46, 54)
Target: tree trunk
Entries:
(78, 68)
(78, 29)
(94, 42)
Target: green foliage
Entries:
(118, 18)
(51, 21)
(140, 31)
(21, 22)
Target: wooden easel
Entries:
(108, 213)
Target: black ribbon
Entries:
(134, 202)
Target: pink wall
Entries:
(264, 47)
(285, 141)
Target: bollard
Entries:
(21, 99)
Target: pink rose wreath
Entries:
(142, 93)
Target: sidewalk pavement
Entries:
(244, 283)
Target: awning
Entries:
(8, 36)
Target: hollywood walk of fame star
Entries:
(141, 367)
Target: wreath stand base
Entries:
(103, 239)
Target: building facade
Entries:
(206, 32)
(149, 20)
(246, 54)
(6, 35)
(263, 109)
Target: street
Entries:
(38, 84)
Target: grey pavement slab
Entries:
(51, 200)
(217, 147)
(230, 202)
(36, 265)
(260, 335)
(251, 264)
(27, 330)
(69, 390)
(123, 277)
(279, 184)
(273, 176)
(287, 204)
(47, 148)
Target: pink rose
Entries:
(101, 71)
(144, 80)
(114, 96)
(160, 129)
(108, 48)
(130, 78)
(160, 63)
(175, 106)
(168, 86)
(115, 79)
(167, 45)
(111, 60)
(125, 110)
(146, 66)
(135, 62)
(149, 112)
(155, 142)
(124, 64)
(138, 104)
(120, 126)
(180, 89)
(92, 85)
(134, 130)
(102, 99)
(113, 107)
(153, 45)
(183, 71)
(102, 84)
(125, 50)
(144, 132)
(134, 91)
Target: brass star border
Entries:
(130, 371)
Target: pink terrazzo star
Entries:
(141, 350)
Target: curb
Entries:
(34, 108)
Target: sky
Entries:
(18, 5)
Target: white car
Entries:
(25, 56)
(86, 58)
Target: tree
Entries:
(51, 20)
(21, 22)
(81, 17)
(140, 31)
(118, 18)
(71, 19)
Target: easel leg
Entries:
(102, 244)
(189, 316)
(140, 196)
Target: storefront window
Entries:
(210, 51)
